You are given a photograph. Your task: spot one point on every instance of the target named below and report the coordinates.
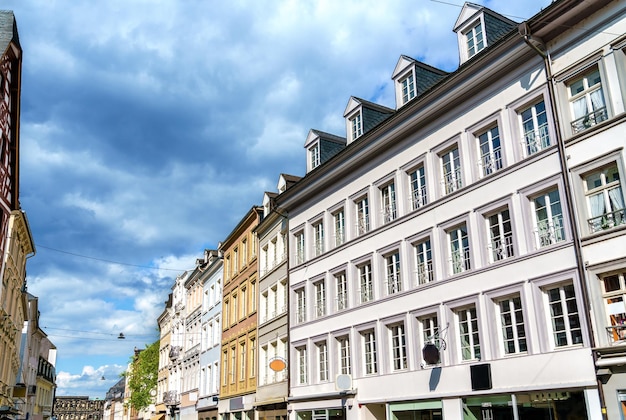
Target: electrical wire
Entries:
(108, 261)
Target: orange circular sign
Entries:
(277, 364)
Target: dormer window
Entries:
(408, 88)
(475, 39)
(357, 127)
(315, 156)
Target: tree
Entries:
(142, 375)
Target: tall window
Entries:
(225, 368)
(512, 325)
(394, 281)
(430, 330)
(408, 88)
(388, 201)
(490, 151)
(320, 299)
(605, 199)
(343, 349)
(534, 123)
(322, 358)
(233, 364)
(459, 249)
(369, 352)
(500, 235)
(252, 357)
(357, 128)
(315, 156)
(451, 170)
(549, 227)
(474, 39)
(242, 355)
(362, 216)
(398, 346)
(302, 365)
(418, 187)
(341, 286)
(318, 233)
(587, 100)
(235, 261)
(299, 239)
(564, 318)
(339, 220)
(244, 302)
(423, 262)
(365, 280)
(614, 294)
(300, 306)
(468, 333)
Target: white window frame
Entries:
(490, 152)
(388, 203)
(418, 186)
(323, 372)
(318, 237)
(612, 192)
(362, 213)
(535, 127)
(356, 125)
(429, 331)
(299, 247)
(319, 286)
(341, 290)
(339, 226)
(315, 156)
(302, 366)
(398, 346)
(365, 281)
(463, 317)
(475, 39)
(573, 336)
(459, 247)
(514, 328)
(500, 242)
(407, 87)
(393, 272)
(450, 163)
(344, 357)
(551, 230)
(369, 352)
(300, 304)
(591, 97)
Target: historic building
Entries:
(79, 408)
(455, 289)
(238, 366)
(272, 379)
(164, 325)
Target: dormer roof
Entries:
(328, 145)
(372, 114)
(285, 181)
(425, 76)
(493, 26)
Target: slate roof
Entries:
(8, 30)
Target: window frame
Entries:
(408, 89)
(314, 155)
(455, 310)
(434, 334)
(512, 246)
(457, 175)
(493, 317)
(471, 51)
(321, 296)
(361, 206)
(356, 124)
(469, 261)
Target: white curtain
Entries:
(617, 199)
(597, 99)
(580, 108)
(596, 202)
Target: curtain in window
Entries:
(580, 108)
(597, 99)
(596, 203)
(617, 199)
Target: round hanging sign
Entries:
(277, 364)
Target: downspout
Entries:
(540, 48)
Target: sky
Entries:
(150, 127)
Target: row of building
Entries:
(27, 356)
(461, 256)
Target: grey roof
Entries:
(373, 114)
(8, 30)
(328, 136)
(496, 26)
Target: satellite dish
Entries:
(343, 382)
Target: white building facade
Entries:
(455, 291)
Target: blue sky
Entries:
(149, 128)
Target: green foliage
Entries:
(142, 376)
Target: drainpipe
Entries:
(540, 48)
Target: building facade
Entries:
(238, 366)
(456, 291)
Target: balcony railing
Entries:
(342, 301)
(300, 316)
(389, 213)
(451, 181)
(367, 294)
(616, 334)
(424, 272)
(320, 309)
(589, 120)
(170, 398)
(339, 238)
(460, 260)
(502, 247)
(607, 220)
(319, 246)
(536, 140)
(394, 285)
(550, 232)
(491, 162)
(418, 198)
(362, 225)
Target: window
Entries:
(534, 124)
(475, 41)
(315, 156)
(548, 221)
(417, 179)
(299, 239)
(468, 333)
(235, 261)
(300, 306)
(365, 281)
(490, 151)
(362, 216)
(587, 100)
(369, 352)
(398, 347)
(252, 357)
(318, 234)
(320, 299)
(408, 88)
(233, 364)
(302, 365)
(342, 291)
(253, 295)
(511, 322)
(244, 252)
(225, 367)
(322, 359)
(614, 294)
(451, 170)
(235, 307)
(340, 229)
(244, 302)
(226, 313)
(242, 355)
(343, 349)
(459, 249)
(605, 199)
(357, 128)
(500, 235)
(423, 262)
(564, 318)
(394, 281)
(388, 202)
